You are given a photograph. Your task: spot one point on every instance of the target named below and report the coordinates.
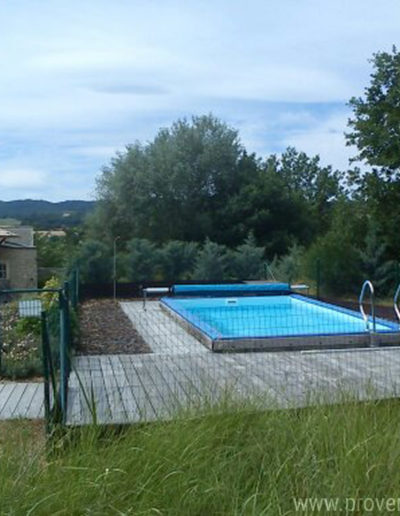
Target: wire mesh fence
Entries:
(37, 330)
(203, 355)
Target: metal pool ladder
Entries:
(368, 284)
(396, 302)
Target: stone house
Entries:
(18, 258)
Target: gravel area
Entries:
(105, 329)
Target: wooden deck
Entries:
(21, 400)
(181, 373)
(138, 388)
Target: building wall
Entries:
(21, 266)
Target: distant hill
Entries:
(45, 214)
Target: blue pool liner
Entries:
(219, 306)
(233, 288)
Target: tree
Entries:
(52, 251)
(319, 186)
(174, 187)
(276, 215)
(374, 265)
(376, 121)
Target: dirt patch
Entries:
(105, 329)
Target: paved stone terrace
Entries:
(182, 373)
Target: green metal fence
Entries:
(37, 333)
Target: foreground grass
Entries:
(240, 462)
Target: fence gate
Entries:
(35, 341)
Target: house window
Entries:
(3, 271)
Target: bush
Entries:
(177, 259)
(21, 344)
(211, 262)
(247, 260)
(289, 267)
(143, 260)
(339, 263)
(95, 262)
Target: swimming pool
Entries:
(282, 321)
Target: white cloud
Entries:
(81, 79)
(21, 178)
(326, 139)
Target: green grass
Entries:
(241, 462)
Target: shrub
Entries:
(246, 262)
(143, 260)
(339, 263)
(21, 349)
(289, 267)
(211, 262)
(95, 262)
(177, 259)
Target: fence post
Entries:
(46, 372)
(64, 348)
(77, 280)
(318, 276)
(1, 335)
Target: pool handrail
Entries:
(368, 283)
(396, 302)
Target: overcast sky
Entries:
(80, 80)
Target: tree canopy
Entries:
(376, 116)
(196, 181)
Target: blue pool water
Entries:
(270, 316)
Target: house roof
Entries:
(20, 237)
(5, 234)
(14, 245)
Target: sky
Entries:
(82, 79)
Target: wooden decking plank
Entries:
(98, 392)
(106, 389)
(126, 393)
(172, 377)
(36, 409)
(194, 377)
(227, 378)
(262, 385)
(350, 379)
(91, 389)
(22, 409)
(144, 392)
(11, 405)
(151, 386)
(167, 401)
(5, 394)
(289, 381)
(138, 395)
(74, 413)
(2, 385)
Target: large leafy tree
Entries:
(375, 130)
(375, 126)
(173, 187)
(196, 181)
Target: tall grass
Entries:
(236, 462)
